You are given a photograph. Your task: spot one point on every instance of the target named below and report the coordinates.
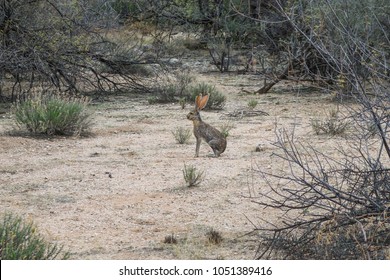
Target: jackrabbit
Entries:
(205, 131)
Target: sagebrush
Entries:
(21, 241)
(216, 99)
(53, 114)
(182, 135)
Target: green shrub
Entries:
(53, 114)
(252, 104)
(182, 102)
(216, 99)
(192, 176)
(183, 80)
(152, 100)
(20, 241)
(226, 127)
(332, 124)
(125, 9)
(182, 135)
(173, 90)
(164, 94)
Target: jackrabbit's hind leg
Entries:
(214, 145)
(216, 152)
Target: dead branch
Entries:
(244, 113)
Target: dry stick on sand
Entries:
(244, 112)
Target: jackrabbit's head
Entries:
(200, 103)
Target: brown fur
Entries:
(204, 131)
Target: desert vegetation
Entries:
(99, 90)
(20, 240)
(53, 114)
(192, 176)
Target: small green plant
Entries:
(192, 176)
(152, 100)
(225, 128)
(252, 104)
(332, 124)
(53, 114)
(216, 99)
(182, 135)
(20, 241)
(182, 102)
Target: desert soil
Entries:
(118, 193)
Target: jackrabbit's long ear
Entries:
(202, 101)
(197, 102)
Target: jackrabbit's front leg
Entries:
(198, 140)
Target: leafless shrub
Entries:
(332, 209)
(336, 206)
(214, 236)
(170, 239)
(63, 46)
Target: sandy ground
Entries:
(119, 192)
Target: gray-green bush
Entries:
(216, 99)
(21, 241)
(53, 114)
(182, 135)
(192, 176)
(173, 90)
(332, 124)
